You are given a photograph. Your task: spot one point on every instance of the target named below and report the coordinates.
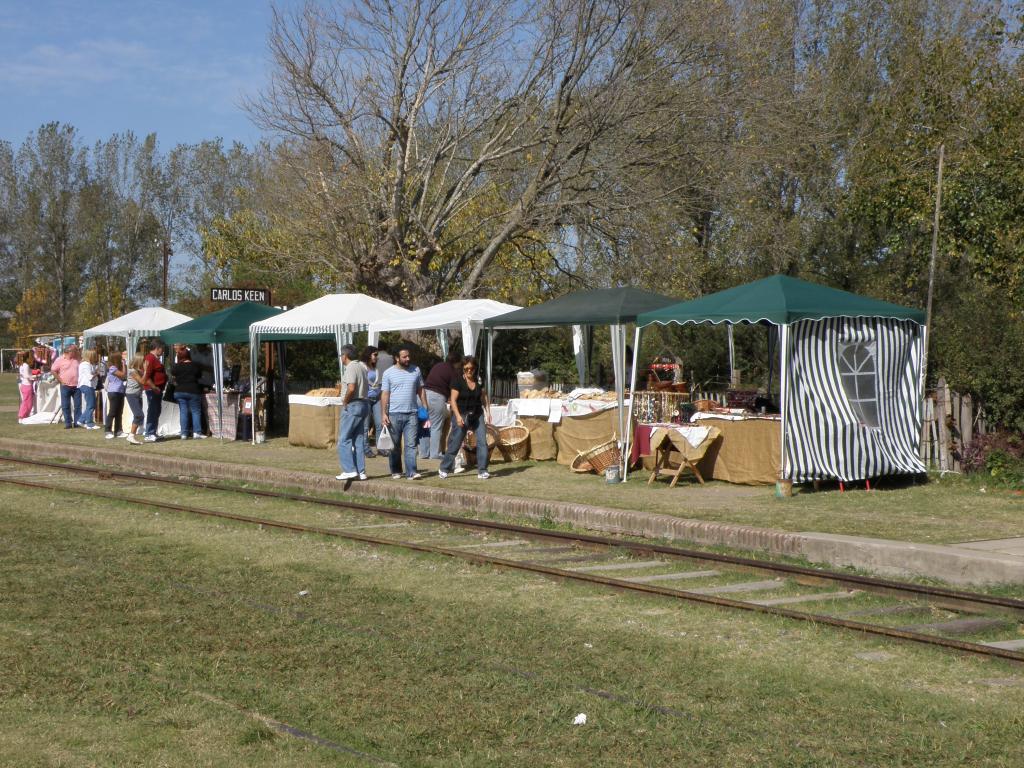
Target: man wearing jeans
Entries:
(352, 434)
(154, 379)
(401, 394)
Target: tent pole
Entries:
(732, 357)
(254, 340)
(618, 335)
(490, 363)
(783, 396)
(632, 399)
(218, 382)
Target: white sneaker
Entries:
(108, 436)
(347, 476)
(199, 436)
(396, 476)
(458, 470)
(133, 440)
(483, 475)
(123, 434)
(415, 476)
(93, 426)
(149, 439)
(363, 476)
(442, 475)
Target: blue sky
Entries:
(178, 68)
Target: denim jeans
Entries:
(153, 407)
(88, 395)
(475, 423)
(437, 408)
(404, 428)
(352, 437)
(189, 405)
(67, 395)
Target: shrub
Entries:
(999, 455)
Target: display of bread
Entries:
(324, 392)
(537, 394)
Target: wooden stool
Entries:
(662, 453)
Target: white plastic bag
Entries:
(384, 441)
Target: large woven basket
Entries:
(603, 456)
(514, 441)
(706, 405)
(580, 465)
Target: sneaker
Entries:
(108, 436)
(483, 475)
(363, 476)
(149, 439)
(347, 476)
(458, 470)
(396, 476)
(442, 475)
(199, 436)
(184, 437)
(133, 440)
(123, 434)
(93, 426)
(415, 476)
(370, 454)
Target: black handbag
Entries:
(169, 392)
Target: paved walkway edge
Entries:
(895, 558)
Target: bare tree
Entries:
(448, 130)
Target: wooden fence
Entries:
(951, 421)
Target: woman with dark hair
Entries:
(25, 384)
(470, 412)
(186, 394)
(369, 359)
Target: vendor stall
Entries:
(850, 381)
(612, 306)
(226, 326)
(334, 317)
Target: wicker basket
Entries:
(492, 439)
(514, 441)
(602, 456)
(705, 406)
(580, 465)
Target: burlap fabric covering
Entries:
(313, 426)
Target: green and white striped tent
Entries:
(851, 371)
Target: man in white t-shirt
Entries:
(352, 434)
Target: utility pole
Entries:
(935, 248)
(166, 250)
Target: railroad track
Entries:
(974, 623)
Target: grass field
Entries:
(947, 510)
(132, 637)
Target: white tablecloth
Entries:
(167, 425)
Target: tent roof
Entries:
(778, 300)
(603, 306)
(325, 317)
(450, 314)
(225, 326)
(148, 321)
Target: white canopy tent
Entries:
(334, 316)
(137, 325)
(465, 315)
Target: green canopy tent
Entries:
(225, 326)
(614, 307)
(832, 342)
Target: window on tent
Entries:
(857, 372)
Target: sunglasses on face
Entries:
(469, 368)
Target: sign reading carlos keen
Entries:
(259, 295)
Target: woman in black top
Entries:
(188, 395)
(469, 412)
